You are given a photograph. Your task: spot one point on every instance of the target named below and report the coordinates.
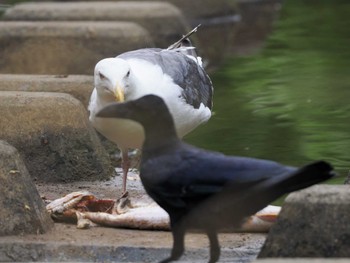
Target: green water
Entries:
(290, 102)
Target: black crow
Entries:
(202, 189)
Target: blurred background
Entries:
(281, 71)
(290, 100)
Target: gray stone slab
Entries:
(200, 8)
(219, 20)
(347, 179)
(22, 210)
(163, 20)
(313, 223)
(257, 20)
(303, 260)
(53, 135)
(79, 86)
(59, 47)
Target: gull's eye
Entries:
(102, 77)
(128, 73)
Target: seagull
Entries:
(175, 74)
(202, 189)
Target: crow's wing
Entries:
(210, 171)
(189, 175)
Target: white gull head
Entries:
(112, 79)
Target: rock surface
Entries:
(22, 210)
(163, 20)
(218, 21)
(313, 223)
(257, 20)
(62, 47)
(54, 136)
(79, 86)
(303, 260)
(347, 179)
(200, 8)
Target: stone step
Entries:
(219, 21)
(313, 223)
(79, 86)
(257, 20)
(303, 260)
(22, 210)
(163, 20)
(58, 47)
(53, 135)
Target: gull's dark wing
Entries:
(196, 85)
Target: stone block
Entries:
(191, 9)
(54, 136)
(313, 223)
(59, 47)
(79, 86)
(163, 20)
(22, 210)
(257, 20)
(302, 260)
(219, 23)
(347, 179)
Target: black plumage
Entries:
(202, 189)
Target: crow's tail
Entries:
(231, 205)
(306, 176)
(269, 190)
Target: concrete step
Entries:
(219, 21)
(197, 8)
(22, 210)
(303, 260)
(163, 20)
(51, 47)
(79, 86)
(313, 223)
(52, 133)
(257, 21)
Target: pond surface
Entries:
(290, 102)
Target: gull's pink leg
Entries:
(125, 167)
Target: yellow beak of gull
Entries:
(119, 94)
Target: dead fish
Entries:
(86, 210)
